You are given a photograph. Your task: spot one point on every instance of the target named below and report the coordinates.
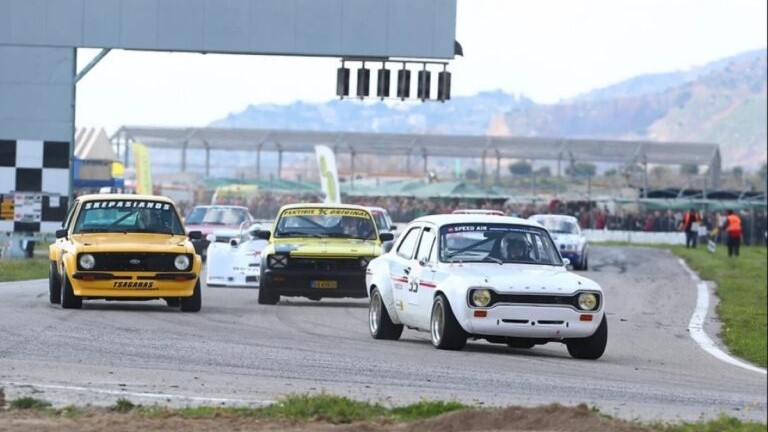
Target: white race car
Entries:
(484, 277)
(234, 258)
(568, 237)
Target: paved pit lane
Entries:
(238, 352)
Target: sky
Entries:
(547, 50)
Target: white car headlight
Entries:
(181, 262)
(587, 301)
(87, 261)
(481, 297)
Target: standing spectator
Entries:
(691, 222)
(732, 228)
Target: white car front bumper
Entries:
(544, 322)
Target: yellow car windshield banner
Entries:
(326, 212)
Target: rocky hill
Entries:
(722, 102)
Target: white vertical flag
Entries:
(329, 177)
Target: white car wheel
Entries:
(379, 322)
(445, 330)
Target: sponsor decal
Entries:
(486, 228)
(142, 285)
(127, 204)
(326, 212)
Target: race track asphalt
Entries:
(237, 352)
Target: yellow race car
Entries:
(124, 247)
(318, 250)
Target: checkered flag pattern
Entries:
(36, 167)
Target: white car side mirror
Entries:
(566, 262)
(211, 238)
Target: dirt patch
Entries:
(512, 419)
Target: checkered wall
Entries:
(36, 166)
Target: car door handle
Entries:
(407, 270)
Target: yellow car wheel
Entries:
(54, 284)
(194, 302)
(68, 298)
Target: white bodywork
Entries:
(382, 219)
(234, 258)
(409, 286)
(568, 236)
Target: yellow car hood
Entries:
(132, 242)
(326, 247)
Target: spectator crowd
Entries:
(591, 215)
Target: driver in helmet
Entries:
(517, 249)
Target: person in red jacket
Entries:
(691, 222)
(732, 229)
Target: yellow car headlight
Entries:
(87, 261)
(481, 297)
(181, 262)
(587, 301)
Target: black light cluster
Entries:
(403, 83)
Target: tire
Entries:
(592, 347)
(54, 284)
(445, 331)
(194, 302)
(379, 322)
(68, 298)
(173, 302)
(267, 297)
(585, 263)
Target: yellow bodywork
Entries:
(311, 247)
(138, 284)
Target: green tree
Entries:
(738, 172)
(660, 172)
(544, 172)
(471, 174)
(581, 169)
(520, 168)
(689, 169)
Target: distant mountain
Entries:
(660, 82)
(725, 103)
(722, 102)
(463, 115)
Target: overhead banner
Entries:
(143, 172)
(329, 177)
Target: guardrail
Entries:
(646, 237)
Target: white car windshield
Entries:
(326, 222)
(128, 216)
(216, 216)
(559, 226)
(499, 243)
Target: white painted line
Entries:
(141, 394)
(696, 325)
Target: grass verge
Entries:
(742, 286)
(337, 410)
(23, 269)
(328, 408)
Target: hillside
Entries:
(723, 102)
(725, 105)
(352, 115)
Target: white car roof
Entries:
(445, 219)
(378, 209)
(554, 217)
(221, 206)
